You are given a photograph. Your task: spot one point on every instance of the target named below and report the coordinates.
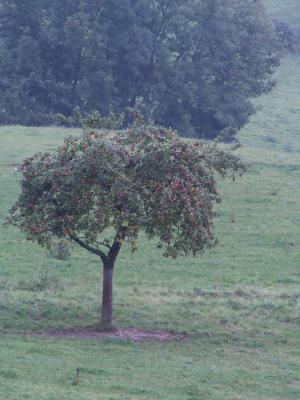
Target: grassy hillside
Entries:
(239, 303)
(288, 10)
(276, 124)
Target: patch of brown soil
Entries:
(131, 334)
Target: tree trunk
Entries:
(107, 297)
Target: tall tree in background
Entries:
(53, 60)
(194, 65)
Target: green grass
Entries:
(240, 302)
(287, 10)
(276, 124)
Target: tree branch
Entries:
(104, 244)
(88, 247)
(99, 243)
(116, 247)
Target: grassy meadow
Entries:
(239, 303)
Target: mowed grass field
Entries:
(239, 303)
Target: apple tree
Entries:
(103, 188)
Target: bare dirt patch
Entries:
(131, 334)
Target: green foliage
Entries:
(141, 179)
(93, 120)
(193, 65)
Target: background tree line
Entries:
(194, 65)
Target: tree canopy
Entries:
(193, 65)
(104, 187)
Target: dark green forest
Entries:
(194, 65)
